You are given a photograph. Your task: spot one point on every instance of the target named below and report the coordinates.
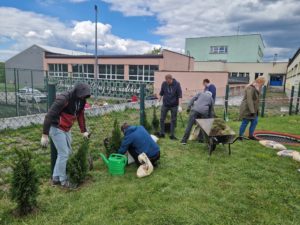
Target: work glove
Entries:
(86, 135)
(179, 109)
(44, 141)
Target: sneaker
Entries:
(55, 182)
(68, 185)
(183, 142)
(240, 138)
(172, 137)
(160, 135)
(253, 138)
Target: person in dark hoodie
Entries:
(137, 141)
(66, 109)
(172, 96)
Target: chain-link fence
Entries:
(24, 95)
(22, 92)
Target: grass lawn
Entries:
(252, 186)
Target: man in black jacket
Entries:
(172, 95)
(66, 109)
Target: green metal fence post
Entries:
(142, 104)
(262, 113)
(18, 88)
(32, 99)
(5, 85)
(46, 88)
(16, 92)
(298, 100)
(226, 103)
(291, 100)
(51, 98)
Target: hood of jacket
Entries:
(81, 90)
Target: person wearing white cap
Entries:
(200, 106)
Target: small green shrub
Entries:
(155, 120)
(24, 183)
(113, 143)
(77, 166)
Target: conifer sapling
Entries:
(24, 183)
(77, 166)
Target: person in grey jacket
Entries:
(200, 106)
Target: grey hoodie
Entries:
(202, 103)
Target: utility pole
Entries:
(96, 47)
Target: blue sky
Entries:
(136, 26)
(129, 27)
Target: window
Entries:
(233, 74)
(142, 72)
(111, 72)
(242, 77)
(258, 74)
(58, 70)
(83, 70)
(219, 49)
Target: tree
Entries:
(116, 138)
(24, 183)
(155, 51)
(155, 121)
(113, 143)
(77, 166)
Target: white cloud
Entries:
(83, 33)
(179, 19)
(46, 30)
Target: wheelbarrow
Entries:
(213, 139)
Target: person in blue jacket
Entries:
(210, 87)
(137, 141)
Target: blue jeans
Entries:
(62, 141)
(252, 127)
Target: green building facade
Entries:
(236, 48)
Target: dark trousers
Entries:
(163, 115)
(192, 119)
(135, 156)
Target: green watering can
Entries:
(116, 163)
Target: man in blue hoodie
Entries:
(172, 95)
(210, 87)
(137, 141)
